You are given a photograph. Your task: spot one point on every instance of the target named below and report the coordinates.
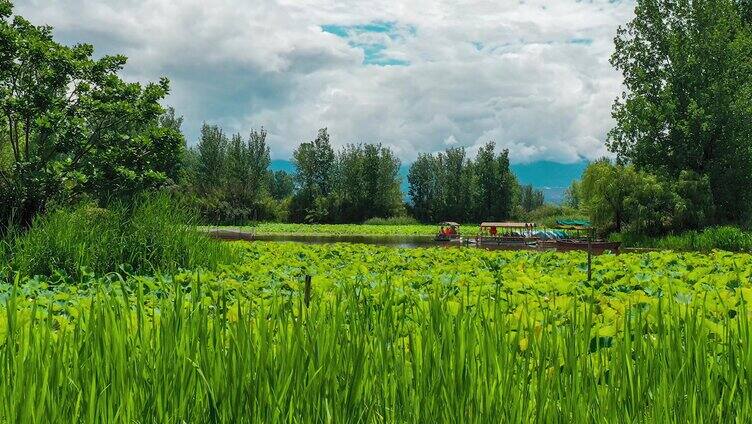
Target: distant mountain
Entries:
(549, 174)
(551, 177)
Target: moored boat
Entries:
(507, 234)
(448, 231)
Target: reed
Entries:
(156, 233)
(348, 358)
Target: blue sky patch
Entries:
(365, 36)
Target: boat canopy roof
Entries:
(507, 224)
(573, 224)
(449, 224)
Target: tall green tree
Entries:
(212, 158)
(424, 188)
(247, 164)
(368, 183)
(572, 195)
(494, 185)
(315, 178)
(458, 184)
(450, 186)
(281, 185)
(688, 98)
(530, 198)
(72, 127)
(604, 190)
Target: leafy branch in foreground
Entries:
(72, 127)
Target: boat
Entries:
(448, 231)
(597, 247)
(507, 234)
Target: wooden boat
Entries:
(507, 234)
(597, 247)
(448, 231)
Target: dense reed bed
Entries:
(206, 357)
(383, 335)
(155, 234)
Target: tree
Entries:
(423, 190)
(494, 185)
(649, 207)
(281, 185)
(457, 184)
(694, 208)
(604, 190)
(688, 96)
(72, 127)
(212, 152)
(572, 195)
(247, 166)
(368, 183)
(530, 198)
(315, 167)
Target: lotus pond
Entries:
(386, 335)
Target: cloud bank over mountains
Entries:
(417, 76)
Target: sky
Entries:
(415, 75)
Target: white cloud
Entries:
(533, 75)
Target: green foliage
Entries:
(450, 187)
(368, 183)
(281, 185)
(727, 238)
(72, 127)
(389, 335)
(573, 196)
(357, 183)
(495, 185)
(230, 180)
(315, 177)
(394, 220)
(689, 97)
(374, 227)
(156, 234)
(530, 198)
(620, 197)
(603, 190)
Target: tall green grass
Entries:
(355, 359)
(156, 233)
(732, 239)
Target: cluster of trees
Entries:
(620, 197)
(450, 186)
(357, 183)
(231, 182)
(229, 177)
(683, 127)
(71, 128)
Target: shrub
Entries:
(156, 234)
